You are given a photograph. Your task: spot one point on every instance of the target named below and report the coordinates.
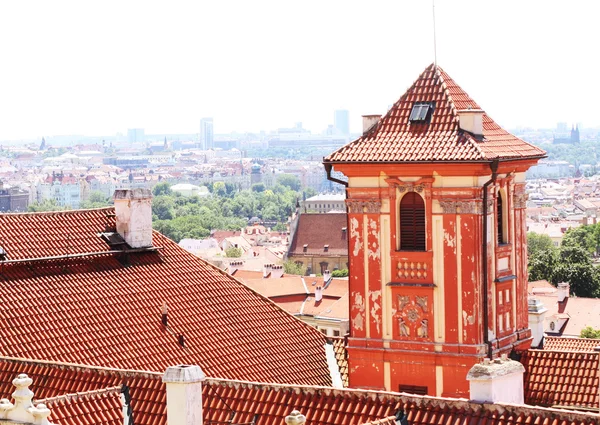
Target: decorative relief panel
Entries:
(468, 206)
(361, 206)
(412, 270)
(414, 317)
(421, 186)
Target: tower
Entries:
(207, 133)
(341, 121)
(437, 240)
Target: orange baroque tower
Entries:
(437, 240)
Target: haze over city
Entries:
(77, 68)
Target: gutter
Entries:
(328, 167)
(484, 248)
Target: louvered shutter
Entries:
(500, 218)
(412, 222)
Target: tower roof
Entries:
(397, 138)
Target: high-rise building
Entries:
(136, 135)
(207, 139)
(341, 121)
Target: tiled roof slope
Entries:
(99, 407)
(554, 343)
(318, 230)
(341, 356)
(106, 309)
(396, 139)
(227, 401)
(554, 378)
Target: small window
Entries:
(412, 222)
(421, 112)
(336, 332)
(413, 389)
(501, 218)
(500, 323)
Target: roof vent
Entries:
(471, 120)
(305, 247)
(181, 340)
(326, 248)
(3, 254)
(165, 314)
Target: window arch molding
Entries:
(412, 222)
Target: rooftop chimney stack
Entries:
(537, 314)
(267, 270)
(563, 291)
(184, 394)
(471, 120)
(23, 410)
(497, 381)
(133, 208)
(369, 121)
(276, 272)
(326, 277)
(318, 293)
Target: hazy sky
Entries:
(98, 68)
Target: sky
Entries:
(99, 68)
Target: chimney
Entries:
(497, 381)
(184, 394)
(471, 120)
(276, 272)
(295, 418)
(267, 270)
(326, 277)
(369, 121)
(23, 411)
(133, 208)
(537, 313)
(563, 291)
(318, 294)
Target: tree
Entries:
(582, 237)
(290, 267)
(340, 273)
(258, 187)
(162, 189)
(537, 243)
(541, 266)
(220, 189)
(45, 205)
(589, 332)
(233, 252)
(96, 200)
(290, 181)
(162, 207)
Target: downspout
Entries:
(328, 168)
(484, 248)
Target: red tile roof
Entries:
(395, 139)
(554, 378)
(105, 309)
(341, 356)
(318, 230)
(552, 343)
(98, 407)
(270, 403)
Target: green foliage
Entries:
(46, 205)
(96, 200)
(290, 181)
(582, 237)
(290, 267)
(340, 273)
(162, 189)
(537, 243)
(589, 332)
(280, 227)
(233, 252)
(258, 187)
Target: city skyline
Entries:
(72, 68)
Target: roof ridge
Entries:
(66, 365)
(83, 210)
(458, 403)
(82, 394)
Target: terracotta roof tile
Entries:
(554, 378)
(318, 230)
(553, 343)
(395, 139)
(270, 403)
(341, 356)
(106, 309)
(96, 407)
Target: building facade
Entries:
(437, 241)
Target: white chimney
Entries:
(276, 272)
(133, 208)
(184, 394)
(497, 381)
(537, 313)
(267, 270)
(326, 277)
(369, 121)
(563, 291)
(318, 293)
(471, 120)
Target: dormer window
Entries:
(421, 112)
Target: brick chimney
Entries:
(184, 394)
(537, 313)
(497, 381)
(133, 208)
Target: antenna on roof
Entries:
(434, 41)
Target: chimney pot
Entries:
(563, 289)
(318, 294)
(184, 394)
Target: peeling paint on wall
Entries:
(358, 310)
(376, 302)
(449, 240)
(355, 236)
(373, 248)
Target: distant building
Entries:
(324, 203)
(341, 121)
(574, 138)
(135, 135)
(13, 199)
(255, 174)
(207, 135)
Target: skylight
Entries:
(421, 112)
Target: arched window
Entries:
(500, 217)
(412, 222)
